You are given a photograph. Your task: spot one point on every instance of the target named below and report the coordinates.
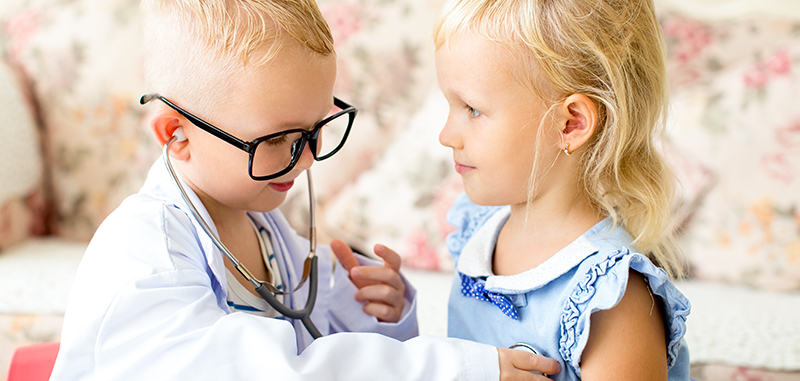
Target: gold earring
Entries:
(567, 151)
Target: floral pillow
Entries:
(402, 201)
(735, 85)
(21, 182)
(84, 61)
(385, 67)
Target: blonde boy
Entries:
(154, 298)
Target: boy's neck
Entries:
(235, 230)
(223, 216)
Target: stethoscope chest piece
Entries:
(527, 348)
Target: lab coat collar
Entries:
(159, 185)
(476, 257)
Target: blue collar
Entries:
(476, 257)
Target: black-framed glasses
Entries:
(274, 155)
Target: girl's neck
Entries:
(535, 232)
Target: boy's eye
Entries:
(276, 141)
(473, 112)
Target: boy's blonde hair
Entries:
(192, 47)
(611, 51)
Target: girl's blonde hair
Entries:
(611, 51)
(192, 45)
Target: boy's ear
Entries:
(164, 122)
(577, 120)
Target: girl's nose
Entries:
(449, 136)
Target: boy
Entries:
(154, 298)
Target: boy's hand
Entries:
(516, 365)
(380, 286)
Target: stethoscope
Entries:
(265, 289)
(527, 348)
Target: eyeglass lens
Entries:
(274, 155)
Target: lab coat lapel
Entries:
(284, 251)
(165, 187)
(291, 251)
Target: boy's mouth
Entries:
(282, 187)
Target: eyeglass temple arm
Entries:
(230, 139)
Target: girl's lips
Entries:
(461, 169)
(282, 187)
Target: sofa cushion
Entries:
(36, 276)
(84, 61)
(739, 326)
(21, 171)
(84, 58)
(385, 68)
(402, 201)
(735, 85)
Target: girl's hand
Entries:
(516, 365)
(381, 287)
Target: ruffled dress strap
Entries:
(466, 217)
(603, 286)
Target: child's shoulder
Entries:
(600, 281)
(143, 220)
(157, 209)
(612, 257)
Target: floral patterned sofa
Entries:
(73, 145)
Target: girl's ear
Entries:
(577, 121)
(164, 122)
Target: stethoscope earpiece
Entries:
(179, 135)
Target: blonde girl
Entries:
(556, 109)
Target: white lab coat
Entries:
(149, 303)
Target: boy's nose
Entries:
(306, 158)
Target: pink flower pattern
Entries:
(343, 19)
(789, 136)
(423, 254)
(20, 28)
(687, 41)
(446, 194)
(689, 38)
(760, 73)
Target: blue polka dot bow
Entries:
(469, 287)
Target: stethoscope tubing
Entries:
(304, 314)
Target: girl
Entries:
(555, 110)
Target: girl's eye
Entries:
(473, 112)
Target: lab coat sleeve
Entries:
(143, 307)
(179, 335)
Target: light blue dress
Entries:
(548, 307)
